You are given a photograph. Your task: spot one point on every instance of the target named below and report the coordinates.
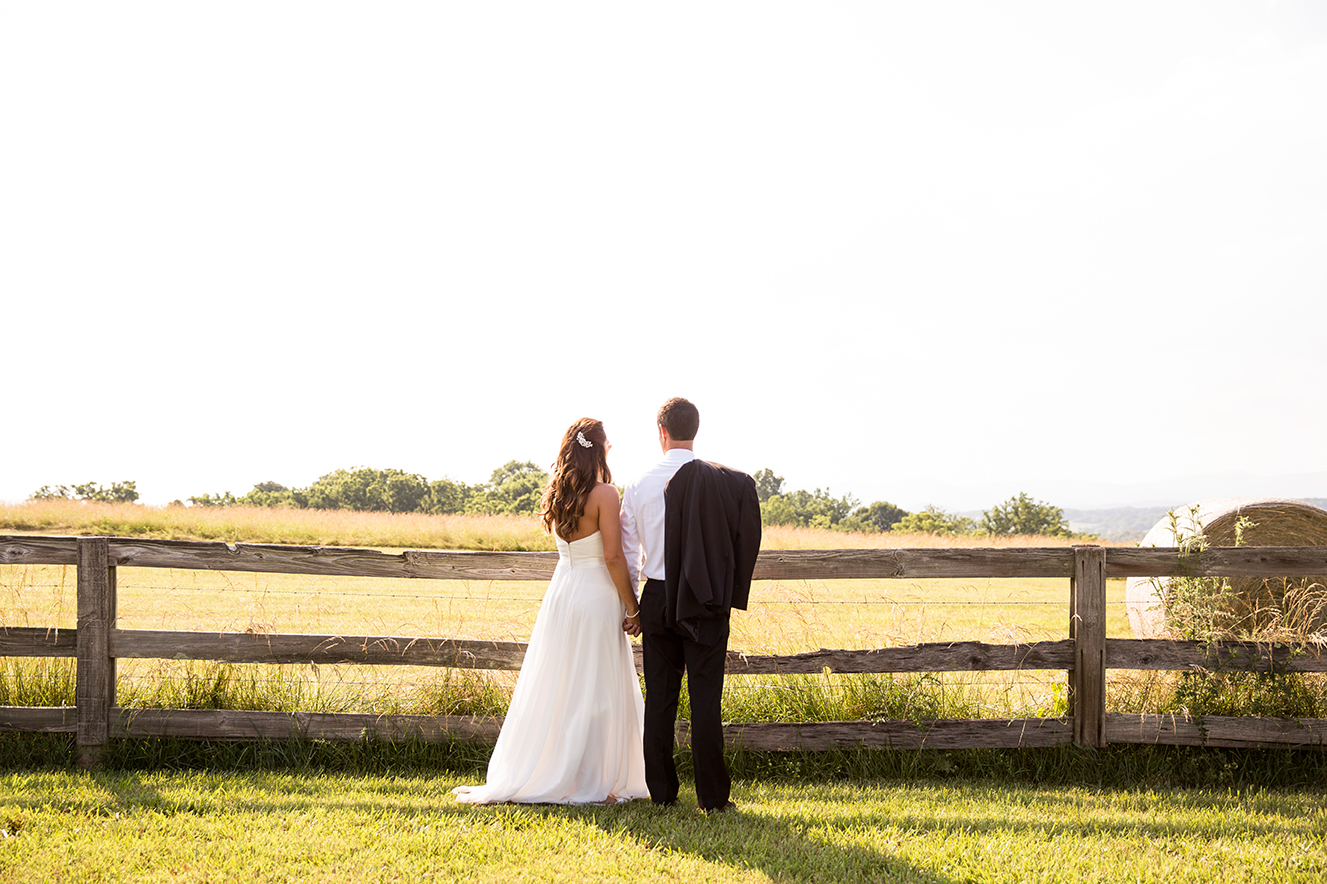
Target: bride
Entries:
(573, 732)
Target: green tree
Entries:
(448, 496)
(269, 494)
(808, 509)
(767, 484)
(401, 492)
(514, 487)
(778, 511)
(1023, 515)
(365, 488)
(934, 520)
(341, 489)
(225, 498)
(881, 515)
(119, 492)
(856, 524)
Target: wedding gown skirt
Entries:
(573, 732)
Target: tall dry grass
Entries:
(304, 527)
(308, 527)
(786, 616)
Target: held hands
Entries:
(631, 624)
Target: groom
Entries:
(692, 529)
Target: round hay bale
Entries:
(1254, 604)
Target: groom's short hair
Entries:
(680, 418)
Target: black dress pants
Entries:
(667, 653)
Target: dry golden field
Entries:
(784, 616)
(275, 525)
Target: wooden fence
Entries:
(1086, 655)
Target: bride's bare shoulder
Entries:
(604, 492)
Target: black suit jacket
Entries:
(711, 540)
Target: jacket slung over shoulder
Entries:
(711, 540)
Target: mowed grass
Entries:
(266, 826)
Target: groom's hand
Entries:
(630, 627)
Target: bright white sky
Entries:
(923, 252)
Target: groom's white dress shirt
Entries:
(643, 518)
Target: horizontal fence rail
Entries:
(791, 564)
(96, 644)
(958, 656)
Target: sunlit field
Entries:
(784, 617)
(295, 825)
(243, 524)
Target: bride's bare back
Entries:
(602, 500)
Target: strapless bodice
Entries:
(584, 553)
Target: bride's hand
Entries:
(631, 627)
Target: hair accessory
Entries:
(585, 443)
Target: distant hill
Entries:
(1121, 523)
(1126, 523)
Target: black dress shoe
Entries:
(722, 808)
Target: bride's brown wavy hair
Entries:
(577, 471)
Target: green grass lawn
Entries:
(281, 826)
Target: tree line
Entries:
(516, 488)
(820, 509)
(119, 492)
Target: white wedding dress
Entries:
(573, 732)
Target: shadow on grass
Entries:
(786, 848)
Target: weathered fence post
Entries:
(1087, 628)
(94, 690)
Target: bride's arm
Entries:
(610, 530)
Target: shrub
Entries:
(934, 520)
